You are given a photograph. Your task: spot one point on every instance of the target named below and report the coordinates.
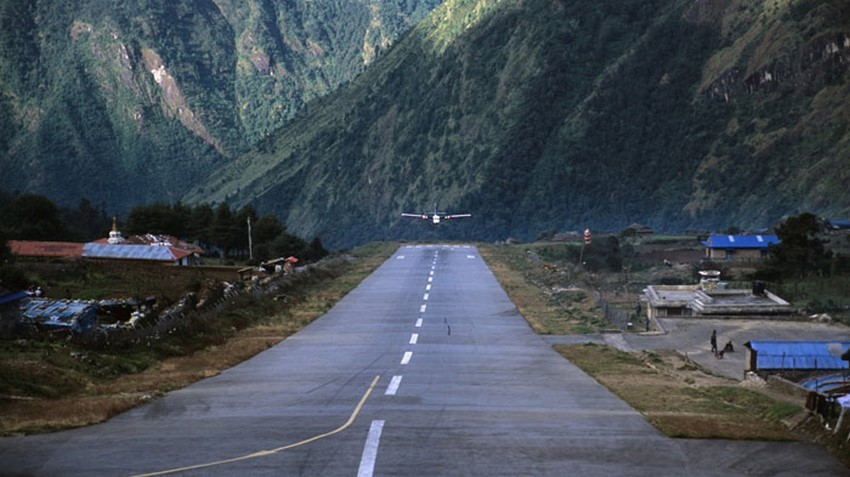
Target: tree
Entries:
(800, 252)
(87, 222)
(317, 251)
(34, 217)
(199, 224)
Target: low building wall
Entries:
(788, 388)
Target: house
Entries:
(636, 230)
(153, 240)
(739, 247)
(837, 226)
(700, 301)
(775, 356)
(149, 253)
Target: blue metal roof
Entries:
(799, 354)
(10, 297)
(741, 241)
(122, 251)
(77, 316)
(828, 383)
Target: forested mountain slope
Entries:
(129, 102)
(540, 115)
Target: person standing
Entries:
(714, 341)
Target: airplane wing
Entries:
(417, 216)
(456, 216)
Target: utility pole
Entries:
(250, 241)
(585, 244)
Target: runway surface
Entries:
(425, 369)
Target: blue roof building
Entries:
(59, 315)
(150, 253)
(838, 225)
(770, 355)
(738, 247)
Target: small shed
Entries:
(774, 355)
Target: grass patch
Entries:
(534, 290)
(680, 401)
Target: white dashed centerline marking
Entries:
(422, 308)
(370, 450)
(395, 382)
(406, 358)
(427, 287)
(414, 338)
(419, 323)
(425, 297)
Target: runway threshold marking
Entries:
(370, 450)
(264, 453)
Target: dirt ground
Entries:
(690, 337)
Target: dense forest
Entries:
(126, 103)
(539, 115)
(533, 115)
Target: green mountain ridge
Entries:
(542, 115)
(533, 115)
(130, 102)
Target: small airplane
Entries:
(436, 216)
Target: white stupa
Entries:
(115, 234)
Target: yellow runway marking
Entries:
(264, 453)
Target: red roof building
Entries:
(27, 248)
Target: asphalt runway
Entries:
(425, 369)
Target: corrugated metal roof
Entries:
(77, 316)
(157, 240)
(799, 354)
(740, 241)
(31, 248)
(133, 252)
(828, 383)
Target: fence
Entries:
(618, 317)
(180, 316)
